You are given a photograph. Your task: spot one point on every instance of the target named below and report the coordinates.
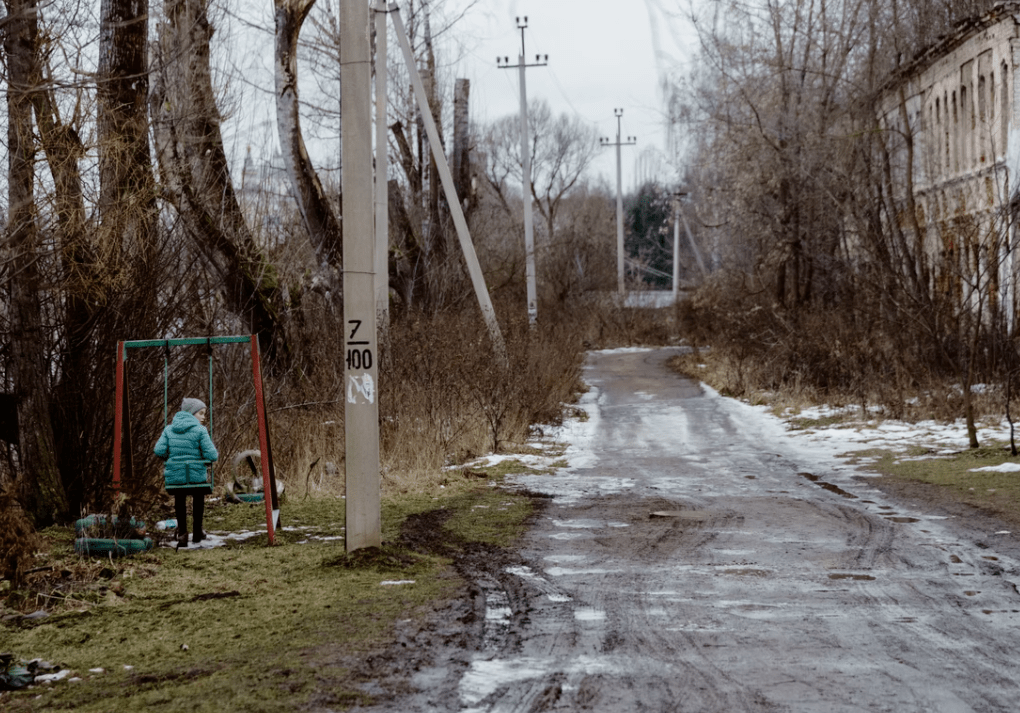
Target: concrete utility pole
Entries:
(529, 228)
(361, 408)
(676, 245)
(631, 140)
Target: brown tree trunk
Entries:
(321, 222)
(127, 190)
(194, 169)
(73, 403)
(40, 489)
(462, 145)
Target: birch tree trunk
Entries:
(320, 220)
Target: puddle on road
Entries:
(497, 618)
(901, 518)
(990, 557)
(855, 577)
(564, 572)
(587, 524)
(580, 524)
(827, 486)
(589, 614)
(747, 572)
(971, 593)
(695, 515)
(955, 560)
(565, 558)
(521, 571)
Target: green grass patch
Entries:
(248, 627)
(994, 491)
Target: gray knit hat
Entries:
(192, 406)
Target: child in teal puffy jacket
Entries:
(187, 448)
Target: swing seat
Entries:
(196, 474)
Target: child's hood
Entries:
(184, 422)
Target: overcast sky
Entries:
(603, 54)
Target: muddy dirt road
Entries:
(769, 581)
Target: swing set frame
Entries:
(122, 414)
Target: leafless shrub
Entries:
(17, 539)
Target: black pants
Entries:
(197, 508)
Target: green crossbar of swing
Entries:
(186, 341)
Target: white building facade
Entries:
(957, 103)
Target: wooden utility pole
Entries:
(631, 140)
(361, 392)
(529, 228)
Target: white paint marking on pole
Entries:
(459, 222)
(382, 231)
(360, 389)
(361, 412)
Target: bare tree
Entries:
(127, 186)
(41, 490)
(196, 176)
(562, 150)
(321, 221)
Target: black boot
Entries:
(181, 511)
(198, 512)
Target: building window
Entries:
(1004, 114)
(955, 139)
(965, 129)
(982, 119)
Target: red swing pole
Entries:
(118, 417)
(268, 482)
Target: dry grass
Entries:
(443, 400)
(935, 401)
(747, 347)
